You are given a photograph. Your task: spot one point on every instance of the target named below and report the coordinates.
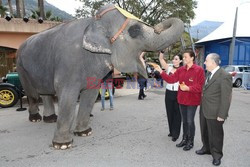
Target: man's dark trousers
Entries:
(212, 130)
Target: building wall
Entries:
(13, 40)
(222, 47)
(12, 34)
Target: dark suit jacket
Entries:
(217, 95)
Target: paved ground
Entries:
(134, 134)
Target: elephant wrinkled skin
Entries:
(62, 60)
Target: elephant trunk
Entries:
(163, 34)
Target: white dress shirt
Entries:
(214, 71)
(172, 86)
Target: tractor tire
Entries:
(8, 97)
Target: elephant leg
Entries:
(34, 115)
(67, 99)
(32, 95)
(87, 101)
(49, 115)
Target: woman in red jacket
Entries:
(191, 78)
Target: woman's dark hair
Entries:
(190, 52)
(180, 57)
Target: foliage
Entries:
(150, 11)
(3, 11)
(56, 18)
(35, 14)
(48, 15)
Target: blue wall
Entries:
(242, 50)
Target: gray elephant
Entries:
(66, 59)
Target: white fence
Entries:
(246, 80)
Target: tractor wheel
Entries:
(8, 97)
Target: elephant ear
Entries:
(95, 39)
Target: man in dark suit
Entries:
(216, 99)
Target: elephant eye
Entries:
(135, 31)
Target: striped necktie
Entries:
(208, 77)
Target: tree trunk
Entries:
(22, 6)
(41, 8)
(1, 3)
(10, 7)
(18, 10)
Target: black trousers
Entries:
(188, 114)
(173, 113)
(141, 93)
(142, 84)
(212, 136)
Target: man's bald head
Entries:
(212, 61)
(215, 57)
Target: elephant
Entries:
(71, 57)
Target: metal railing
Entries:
(246, 80)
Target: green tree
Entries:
(41, 9)
(22, 7)
(10, 7)
(35, 14)
(3, 10)
(151, 11)
(48, 15)
(18, 9)
(56, 18)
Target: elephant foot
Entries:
(62, 146)
(87, 132)
(35, 117)
(50, 119)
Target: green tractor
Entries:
(10, 90)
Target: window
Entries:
(229, 68)
(241, 69)
(247, 69)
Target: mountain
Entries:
(204, 28)
(32, 5)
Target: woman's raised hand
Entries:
(158, 68)
(161, 56)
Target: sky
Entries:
(211, 10)
(68, 6)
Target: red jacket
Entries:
(194, 78)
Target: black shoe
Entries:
(202, 152)
(182, 143)
(174, 139)
(189, 145)
(91, 115)
(140, 98)
(169, 135)
(144, 96)
(216, 162)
